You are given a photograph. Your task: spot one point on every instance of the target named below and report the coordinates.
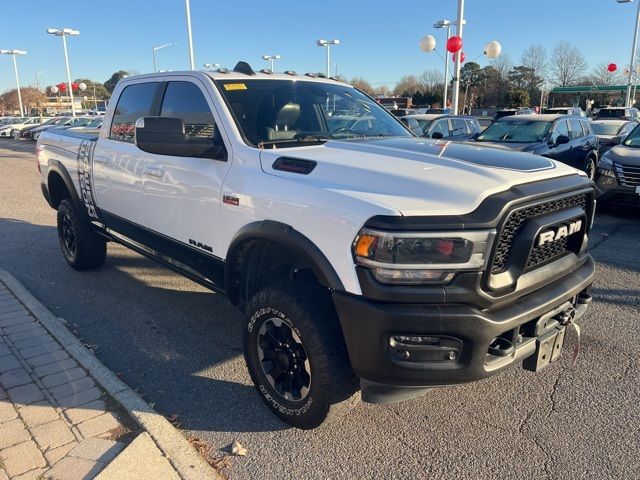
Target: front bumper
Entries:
(369, 325)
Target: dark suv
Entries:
(566, 138)
(626, 113)
(618, 174)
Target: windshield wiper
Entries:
(304, 139)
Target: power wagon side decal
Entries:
(85, 152)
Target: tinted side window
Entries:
(135, 101)
(441, 126)
(458, 126)
(575, 128)
(185, 100)
(473, 126)
(586, 128)
(561, 128)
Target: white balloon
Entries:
(54, 89)
(493, 49)
(82, 86)
(427, 43)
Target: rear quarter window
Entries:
(135, 102)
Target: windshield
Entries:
(611, 113)
(605, 128)
(633, 139)
(516, 131)
(290, 112)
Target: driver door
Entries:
(181, 196)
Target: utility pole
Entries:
(456, 76)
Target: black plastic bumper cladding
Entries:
(367, 326)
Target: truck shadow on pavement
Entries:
(176, 343)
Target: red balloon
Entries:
(612, 67)
(462, 57)
(74, 86)
(454, 44)
(62, 87)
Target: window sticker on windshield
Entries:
(234, 86)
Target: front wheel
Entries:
(296, 356)
(590, 168)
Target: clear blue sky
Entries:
(379, 40)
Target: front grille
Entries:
(515, 223)
(628, 176)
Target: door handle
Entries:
(157, 172)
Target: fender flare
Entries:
(57, 167)
(289, 238)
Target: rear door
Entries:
(117, 162)
(181, 196)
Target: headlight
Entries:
(418, 258)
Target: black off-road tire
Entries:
(308, 311)
(83, 249)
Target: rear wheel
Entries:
(82, 248)
(295, 353)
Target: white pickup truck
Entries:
(369, 262)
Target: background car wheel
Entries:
(82, 248)
(15, 134)
(296, 356)
(590, 168)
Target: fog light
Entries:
(414, 340)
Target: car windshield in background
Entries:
(633, 139)
(516, 131)
(611, 113)
(605, 129)
(292, 112)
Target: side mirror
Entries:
(437, 135)
(561, 140)
(475, 135)
(617, 140)
(167, 136)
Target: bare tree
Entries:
(567, 65)
(31, 98)
(381, 91)
(408, 85)
(361, 84)
(601, 76)
(431, 80)
(502, 66)
(535, 57)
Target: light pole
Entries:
(13, 53)
(328, 43)
(445, 24)
(456, 76)
(154, 49)
(633, 52)
(211, 66)
(64, 33)
(37, 79)
(272, 59)
(192, 65)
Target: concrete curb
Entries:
(185, 459)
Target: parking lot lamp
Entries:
(155, 68)
(64, 33)
(456, 76)
(13, 53)
(192, 64)
(272, 59)
(633, 52)
(327, 44)
(445, 24)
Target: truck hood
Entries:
(519, 147)
(415, 176)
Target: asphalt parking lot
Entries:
(179, 344)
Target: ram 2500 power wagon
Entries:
(369, 262)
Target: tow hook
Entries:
(566, 319)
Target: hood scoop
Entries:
(294, 165)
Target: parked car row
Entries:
(11, 127)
